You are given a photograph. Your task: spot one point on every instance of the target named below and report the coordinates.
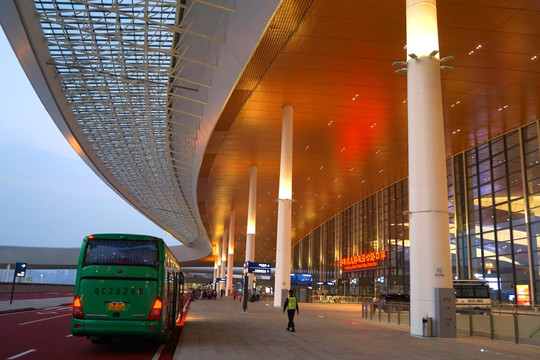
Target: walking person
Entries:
(291, 305)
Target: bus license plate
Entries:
(117, 306)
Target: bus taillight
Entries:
(155, 313)
(77, 308)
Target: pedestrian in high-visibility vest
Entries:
(291, 305)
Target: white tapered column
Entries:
(6, 278)
(223, 258)
(428, 199)
(230, 260)
(215, 272)
(251, 220)
(283, 245)
(218, 265)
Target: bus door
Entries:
(174, 313)
(181, 289)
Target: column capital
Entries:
(422, 34)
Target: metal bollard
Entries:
(516, 327)
(470, 322)
(491, 326)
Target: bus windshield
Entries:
(471, 291)
(121, 252)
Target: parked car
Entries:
(392, 302)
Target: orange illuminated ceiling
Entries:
(332, 61)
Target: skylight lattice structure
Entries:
(116, 61)
(137, 87)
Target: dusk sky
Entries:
(48, 196)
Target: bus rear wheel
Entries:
(99, 340)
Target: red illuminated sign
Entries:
(362, 261)
(523, 295)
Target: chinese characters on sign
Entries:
(362, 261)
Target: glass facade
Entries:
(41, 276)
(494, 213)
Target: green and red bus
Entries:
(126, 285)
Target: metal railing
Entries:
(518, 326)
(339, 299)
(502, 322)
(391, 312)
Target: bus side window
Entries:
(468, 291)
(482, 292)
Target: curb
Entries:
(10, 311)
(17, 310)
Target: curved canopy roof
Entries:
(171, 104)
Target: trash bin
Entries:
(426, 326)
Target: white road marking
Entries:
(35, 321)
(21, 354)
(70, 335)
(158, 352)
(57, 308)
(34, 310)
(46, 313)
(11, 313)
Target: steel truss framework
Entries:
(121, 66)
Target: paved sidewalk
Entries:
(218, 329)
